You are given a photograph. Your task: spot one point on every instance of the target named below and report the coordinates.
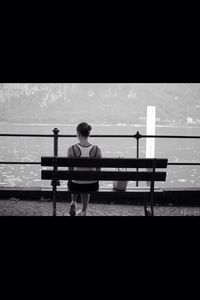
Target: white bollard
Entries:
(150, 130)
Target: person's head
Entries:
(83, 130)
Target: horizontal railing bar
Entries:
(102, 136)
(19, 163)
(184, 164)
(67, 135)
(172, 136)
(26, 135)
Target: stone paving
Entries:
(14, 207)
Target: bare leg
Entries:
(85, 199)
(74, 197)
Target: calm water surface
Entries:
(31, 149)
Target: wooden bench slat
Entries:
(103, 175)
(105, 162)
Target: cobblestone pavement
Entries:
(40, 208)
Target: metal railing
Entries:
(136, 136)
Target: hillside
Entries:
(99, 103)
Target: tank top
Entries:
(84, 152)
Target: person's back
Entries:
(90, 151)
(79, 150)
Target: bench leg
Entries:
(145, 205)
(152, 212)
(152, 198)
(54, 199)
(147, 212)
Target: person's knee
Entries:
(74, 196)
(85, 196)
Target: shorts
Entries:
(75, 187)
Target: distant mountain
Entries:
(99, 103)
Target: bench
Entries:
(149, 174)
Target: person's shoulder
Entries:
(74, 151)
(95, 151)
(70, 151)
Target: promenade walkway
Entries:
(14, 207)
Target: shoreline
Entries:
(96, 125)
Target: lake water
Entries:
(30, 149)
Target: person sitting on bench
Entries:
(82, 187)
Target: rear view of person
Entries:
(82, 187)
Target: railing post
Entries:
(55, 182)
(137, 136)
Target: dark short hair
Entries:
(84, 129)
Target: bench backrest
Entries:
(151, 164)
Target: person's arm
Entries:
(98, 155)
(70, 154)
